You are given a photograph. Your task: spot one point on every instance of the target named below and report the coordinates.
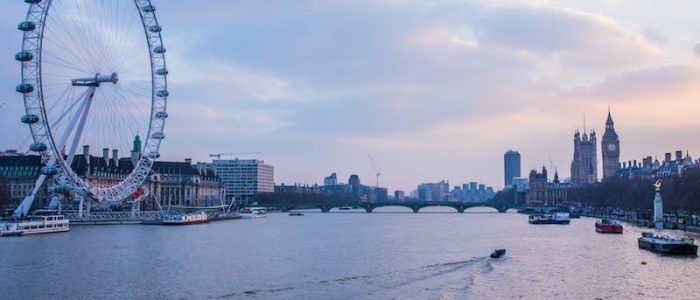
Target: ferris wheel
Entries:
(93, 73)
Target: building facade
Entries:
(650, 168)
(180, 184)
(438, 191)
(244, 178)
(584, 167)
(511, 167)
(399, 195)
(19, 174)
(541, 192)
(330, 180)
(169, 183)
(610, 149)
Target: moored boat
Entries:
(608, 226)
(186, 219)
(555, 218)
(35, 225)
(296, 214)
(667, 245)
(253, 212)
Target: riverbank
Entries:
(645, 223)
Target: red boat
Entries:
(608, 226)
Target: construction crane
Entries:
(376, 171)
(219, 155)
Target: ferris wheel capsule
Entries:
(155, 28)
(49, 170)
(30, 119)
(25, 88)
(23, 56)
(38, 147)
(26, 26)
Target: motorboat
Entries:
(296, 214)
(37, 224)
(608, 226)
(498, 253)
(666, 244)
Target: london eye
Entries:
(92, 73)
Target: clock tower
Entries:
(610, 149)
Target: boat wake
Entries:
(450, 280)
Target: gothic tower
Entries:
(610, 149)
(584, 167)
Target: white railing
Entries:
(120, 216)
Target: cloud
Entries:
(666, 81)
(316, 85)
(697, 48)
(570, 35)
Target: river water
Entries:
(438, 255)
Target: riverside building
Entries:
(244, 178)
(169, 183)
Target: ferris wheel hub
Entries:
(95, 80)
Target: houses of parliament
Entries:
(584, 167)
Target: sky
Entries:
(433, 90)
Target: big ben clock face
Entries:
(612, 147)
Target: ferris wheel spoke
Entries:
(67, 33)
(54, 39)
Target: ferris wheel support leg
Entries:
(27, 202)
(81, 125)
(23, 208)
(80, 207)
(135, 208)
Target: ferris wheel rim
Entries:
(32, 88)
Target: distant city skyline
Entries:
(434, 90)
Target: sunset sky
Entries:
(432, 90)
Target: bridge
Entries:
(369, 207)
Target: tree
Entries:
(679, 193)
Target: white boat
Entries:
(253, 212)
(186, 219)
(35, 225)
(667, 244)
(555, 218)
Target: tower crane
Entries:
(376, 171)
(219, 155)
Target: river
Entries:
(391, 255)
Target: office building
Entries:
(511, 166)
(244, 178)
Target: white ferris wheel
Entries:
(93, 73)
